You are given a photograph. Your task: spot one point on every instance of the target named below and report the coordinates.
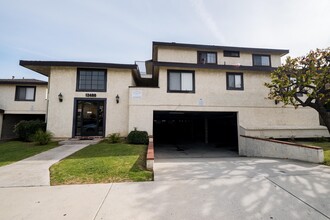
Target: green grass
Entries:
(102, 163)
(326, 148)
(12, 151)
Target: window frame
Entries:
(265, 55)
(25, 100)
(235, 74)
(227, 53)
(199, 53)
(180, 71)
(91, 90)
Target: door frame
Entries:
(75, 103)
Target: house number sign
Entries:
(90, 95)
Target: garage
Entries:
(195, 133)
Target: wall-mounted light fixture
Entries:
(117, 98)
(60, 97)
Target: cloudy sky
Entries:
(123, 31)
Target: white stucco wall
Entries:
(8, 103)
(60, 114)
(255, 111)
(1, 121)
(252, 147)
(183, 55)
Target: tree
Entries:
(304, 81)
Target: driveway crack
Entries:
(100, 206)
(301, 200)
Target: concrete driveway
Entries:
(197, 188)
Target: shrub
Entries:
(113, 138)
(42, 137)
(26, 129)
(138, 137)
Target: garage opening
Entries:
(204, 129)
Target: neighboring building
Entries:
(189, 93)
(21, 99)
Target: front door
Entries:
(89, 118)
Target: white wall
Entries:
(252, 147)
(254, 109)
(184, 55)
(8, 103)
(60, 114)
(1, 121)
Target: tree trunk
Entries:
(324, 115)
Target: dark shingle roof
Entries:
(23, 81)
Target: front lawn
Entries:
(12, 151)
(326, 148)
(102, 163)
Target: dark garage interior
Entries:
(218, 129)
(10, 120)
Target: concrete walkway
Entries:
(199, 188)
(34, 171)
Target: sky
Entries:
(122, 31)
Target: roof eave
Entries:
(280, 52)
(43, 67)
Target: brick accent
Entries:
(150, 154)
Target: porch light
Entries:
(117, 98)
(60, 97)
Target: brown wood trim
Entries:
(283, 142)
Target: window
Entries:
(230, 53)
(261, 60)
(25, 93)
(207, 57)
(181, 81)
(235, 81)
(91, 80)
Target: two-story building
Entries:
(21, 99)
(199, 93)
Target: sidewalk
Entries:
(226, 188)
(34, 171)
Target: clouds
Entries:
(209, 21)
(122, 32)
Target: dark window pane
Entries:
(91, 80)
(231, 81)
(229, 53)
(175, 81)
(234, 81)
(261, 60)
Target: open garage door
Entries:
(182, 127)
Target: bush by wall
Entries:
(138, 137)
(25, 130)
(113, 138)
(42, 137)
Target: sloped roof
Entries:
(23, 81)
(43, 67)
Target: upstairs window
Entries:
(25, 93)
(91, 80)
(231, 53)
(207, 57)
(261, 60)
(235, 81)
(181, 81)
